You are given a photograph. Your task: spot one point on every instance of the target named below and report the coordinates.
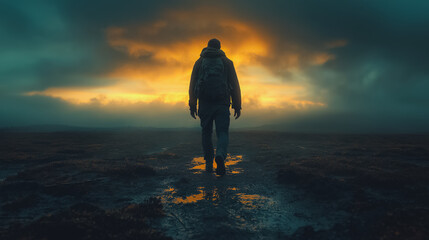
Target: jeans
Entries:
(219, 113)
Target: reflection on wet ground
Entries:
(252, 200)
(212, 194)
(233, 206)
(198, 164)
(193, 198)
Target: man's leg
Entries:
(222, 128)
(207, 129)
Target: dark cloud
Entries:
(378, 79)
(14, 23)
(44, 48)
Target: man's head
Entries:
(214, 43)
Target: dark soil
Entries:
(385, 194)
(135, 184)
(86, 221)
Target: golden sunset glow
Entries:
(302, 66)
(165, 78)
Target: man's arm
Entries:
(192, 96)
(235, 92)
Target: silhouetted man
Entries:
(214, 83)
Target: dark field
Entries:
(136, 184)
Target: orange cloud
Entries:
(321, 58)
(162, 54)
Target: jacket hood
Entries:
(211, 52)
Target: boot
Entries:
(220, 170)
(209, 165)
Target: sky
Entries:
(303, 66)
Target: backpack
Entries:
(212, 83)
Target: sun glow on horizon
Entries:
(159, 71)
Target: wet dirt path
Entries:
(246, 203)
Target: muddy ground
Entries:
(135, 184)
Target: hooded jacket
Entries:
(232, 79)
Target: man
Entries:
(214, 83)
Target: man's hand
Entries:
(237, 113)
(194, 113)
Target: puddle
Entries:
(191, 198)
(213, 195)
(252, 201)
(202, 194)
(198, 164)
